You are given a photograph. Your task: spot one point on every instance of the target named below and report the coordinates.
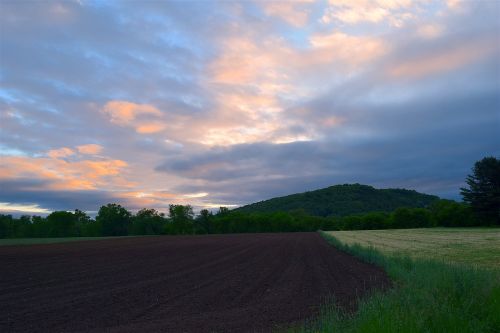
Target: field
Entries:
(471, 246)
(237, 283)
(32, 241)
(428, 295)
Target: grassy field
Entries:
(31, 241)
(472, 246)
(428, 295)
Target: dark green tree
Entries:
(22, 227)
(448, 213)
(5, 222)
(203, 221)
(61, 224)
(375, 220)
(181, 219)
(483, 192)
(223, 211)
(82, 223)
(81, 217)
(114, 220)
(147, 222)
(404, 217)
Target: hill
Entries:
(343, 200)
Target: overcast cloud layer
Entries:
(223, 104)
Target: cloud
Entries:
(295, 13)
(33, 194)
(254, 87)
(90, 149)
(346, 49)
(8, 208)
(65, 174)
(241, 62)
(148, 128)
(61, 152)
(395, 12)
(443, 60)
(454, 4)
(125, 113)
(430, 31)
(163, 103)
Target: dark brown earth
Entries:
(220, 283)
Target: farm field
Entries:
(32, 241)
(246, 282)
(472, 246)
(428, 295)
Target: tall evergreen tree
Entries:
(483, 192)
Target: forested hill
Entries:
(342, 200)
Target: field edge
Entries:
(427, 296)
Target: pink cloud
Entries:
(148, 128)
(347, 49)
(138, 116)
(294, 13)
(62, 174)
(395, 12)
(61, 152)
(123, 112)
(90, 149)
(254, 80)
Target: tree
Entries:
(181, 219)
(5, 221)
(82, 217)
(410, 218)
(40, 226)
(114, 220)
(147, 222)
(375, 220)
(448, 213)
(203, 220)
(223, 211)
(353, 222)
(483, 192)
(61, 224)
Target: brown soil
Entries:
(217, 283)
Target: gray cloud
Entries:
(31, 192)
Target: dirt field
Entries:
(226, 283)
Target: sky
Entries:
(214, 104)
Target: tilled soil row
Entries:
(216, 283)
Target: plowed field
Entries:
(219, 283)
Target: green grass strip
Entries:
(427, 296)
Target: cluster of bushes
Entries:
(115, 220)
(445, 213)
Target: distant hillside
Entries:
(342, 200)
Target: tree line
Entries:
(481, 207)
(115, 220)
